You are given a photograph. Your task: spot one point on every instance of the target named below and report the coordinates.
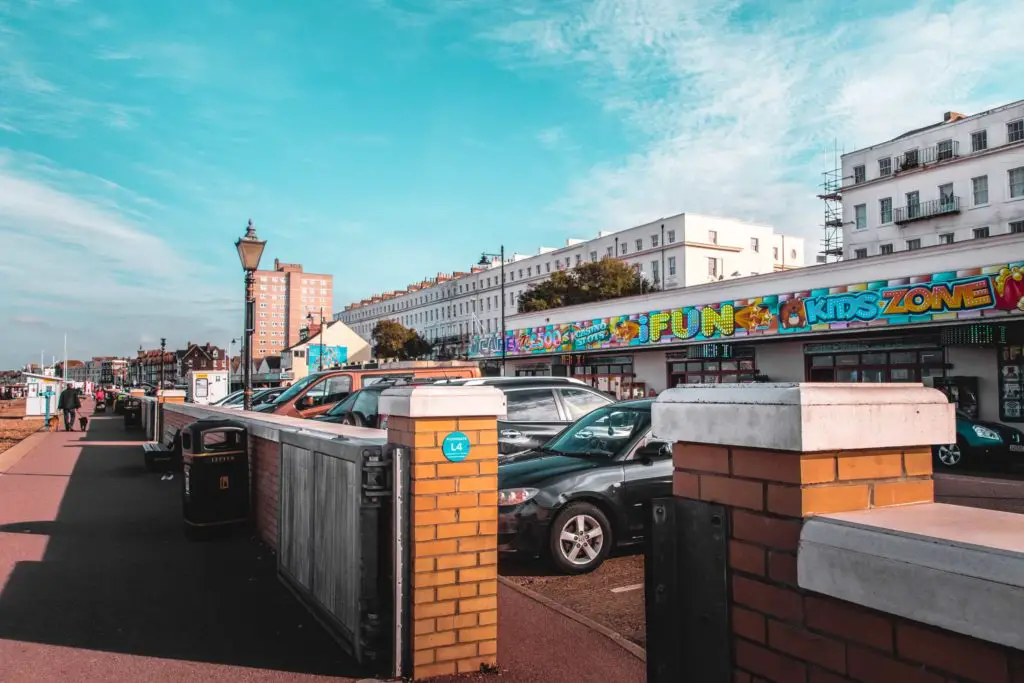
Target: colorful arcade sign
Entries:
(951, 296)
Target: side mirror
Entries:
(653, 450)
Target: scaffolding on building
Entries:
(831, 194)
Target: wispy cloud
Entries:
(736, 108)
(550, 137)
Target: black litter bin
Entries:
(215, 485)
(119, 404)
(132, 412)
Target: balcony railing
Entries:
(924, 210)
(927, 156)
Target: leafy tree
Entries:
(389, 338)
(586, 283)
(416, 347)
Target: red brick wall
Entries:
(265, 462)
(783, 634)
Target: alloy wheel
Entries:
(950, 455)
(581, 540)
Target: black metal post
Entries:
(502, 330)
(163, 347)
(250, 279)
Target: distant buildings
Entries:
(286, 298)
(959, 179)
(673, 252)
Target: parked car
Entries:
(361, 408)
(980, 444)
(315, 394)
(538, 407)
(584, 492)
(231, 399)
(259, 397)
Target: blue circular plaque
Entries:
(455, 447)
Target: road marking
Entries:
(624, 589)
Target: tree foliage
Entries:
(392, 339)
(586, 283)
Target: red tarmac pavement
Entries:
(97, 583)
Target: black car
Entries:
(359, 409)
(585, 491)
(538, 408)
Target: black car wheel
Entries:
(354, 419)
(950, 456)
(581, 538)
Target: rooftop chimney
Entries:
(951, 116)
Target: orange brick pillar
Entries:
(773, 455)
(450, 436)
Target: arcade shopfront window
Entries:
(862, 363)
(711, 364)
(612, 374)
(534, 370)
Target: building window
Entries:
(910, 158)
(529, 272)
(980, 233)
(655, 275)
(623, 249)
(1015, 131)
(946, 198)
(913, 244)
(944, 150)
(579, 259)
(755, 244)
(610, 251)
(913, 204)
(670, 236)
(885, 167)
(1016, 176)
(593, 257)
(654, 241)
(775, 253)
(1016, 227)
(860, 253)
(714, 267)
(640, 245)
(909, 365)
(979, 186)
(671, 265)
(946, 238)
(979, 141)
(860, 216)
(885, 249)
(885, 210)
(713, 236)
(859, 174)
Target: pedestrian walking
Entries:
(69, 403)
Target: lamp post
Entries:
(250, 250)
(309, 318)
(163, 360)
(485, 259)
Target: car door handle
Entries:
(511, 434)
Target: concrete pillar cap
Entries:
(805, 417)
(442, 401)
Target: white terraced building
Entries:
(678, 251)
(959, 179)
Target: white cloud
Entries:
(78, 254)
(550, 137)
(737, 116)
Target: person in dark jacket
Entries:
(69, 403)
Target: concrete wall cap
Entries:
(958, 568)
(442, 401)
(805, 417)
(269, 427)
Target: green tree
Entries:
(586, 283)
(416, 347)
(389, 338)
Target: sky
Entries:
(384, 141)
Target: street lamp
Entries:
(486, 259)
(309, 319)
(250, 250)
(163, 359)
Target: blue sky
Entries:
(386, 140)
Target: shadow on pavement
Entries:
(119, 576)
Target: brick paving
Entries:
(99, 584)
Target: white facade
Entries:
(967, 173)
(679, 251)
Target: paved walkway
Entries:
(98, 584)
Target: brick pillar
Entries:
(453, 511)
(773, 455)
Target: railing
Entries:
(333, 537)
(929, 155)
(924, 210)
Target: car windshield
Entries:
(606, 432)
(294, 390)
(234, 398)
